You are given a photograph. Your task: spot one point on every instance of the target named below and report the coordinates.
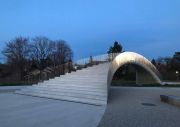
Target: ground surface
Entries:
(26, 111)
(10, 89)
(126, 109)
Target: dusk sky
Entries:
(148, 27)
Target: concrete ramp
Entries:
(88, 85)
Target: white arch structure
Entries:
(132, 58)
(83, 85)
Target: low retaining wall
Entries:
(174, 100)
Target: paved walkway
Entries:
(26, 111)
(127, 107)
(7, 89)
(140, 107)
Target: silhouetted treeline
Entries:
(116, 48)
(169, 66)
(26, 54)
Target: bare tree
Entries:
(42, 53)
(17, 52)
(64, 52)
(42, 48)
(61, 53)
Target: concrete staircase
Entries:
(88, 85)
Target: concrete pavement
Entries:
(26, 111)
(140, 107)
(127, 107)
(5, 89)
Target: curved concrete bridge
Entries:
(90, 85)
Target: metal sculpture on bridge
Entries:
(136, 59)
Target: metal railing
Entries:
(36, 76)
(98, 58)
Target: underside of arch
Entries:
(137, 59)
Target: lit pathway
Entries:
(125, 108)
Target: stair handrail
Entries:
(67, 67)
(101, 58)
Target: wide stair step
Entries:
(88, 85)
(68, 89)
(65, 98)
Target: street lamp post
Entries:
(177, 72)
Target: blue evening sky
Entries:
(148, 27)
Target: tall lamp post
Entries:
(177, 72)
